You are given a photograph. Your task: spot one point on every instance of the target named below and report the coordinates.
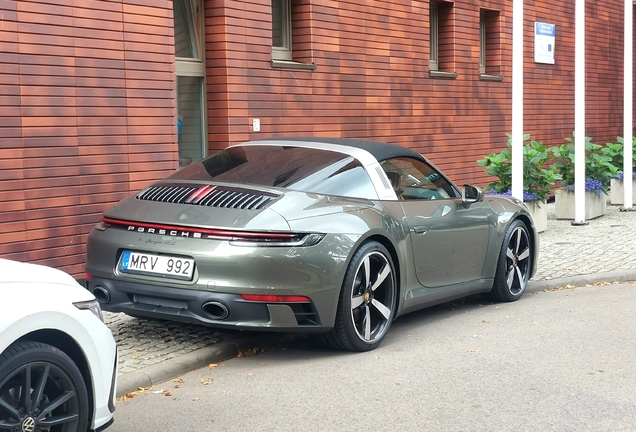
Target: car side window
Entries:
(414, 179)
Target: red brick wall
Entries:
(549, 89)
(371, 80)
(371, 77)
(87, 113)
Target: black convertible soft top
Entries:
(380, 150)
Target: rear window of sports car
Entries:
(294, 168)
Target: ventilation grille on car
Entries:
(208, 196)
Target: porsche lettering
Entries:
(173, 233)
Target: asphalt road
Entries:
(554, 361)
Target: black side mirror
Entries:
(471, 194)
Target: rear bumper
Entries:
(211, 308)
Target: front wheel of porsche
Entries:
(514, 265)
(368, 300)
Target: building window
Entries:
(291, 34)
(190, 70)
(281, 30)
(434, 29)
(489, 46)
(442, 58)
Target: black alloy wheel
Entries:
(41, 390)
(367, 301)
(514, 265)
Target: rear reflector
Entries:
(275, 298)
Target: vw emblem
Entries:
(28, 425)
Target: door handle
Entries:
(421, 229)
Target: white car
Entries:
(58, 361)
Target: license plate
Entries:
(164, 265)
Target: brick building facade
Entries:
(100, 97)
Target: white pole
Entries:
(627, 105)
(579, 115)
(517, 99)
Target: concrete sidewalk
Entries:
(152, 351)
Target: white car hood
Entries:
(18, 272)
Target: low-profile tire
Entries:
(41, 388)
(514, 264)
(367, 303)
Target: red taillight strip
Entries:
(227, 234)
(266, 298)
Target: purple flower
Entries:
(621, 175)
(591, 185)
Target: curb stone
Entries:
(171, 368)
(582, 280)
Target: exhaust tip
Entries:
(102, 294)
(215, 310)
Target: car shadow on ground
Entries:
(301, 344)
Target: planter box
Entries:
(595, 205)
(539, 215)
(617, 192)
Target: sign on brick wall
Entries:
(544, 36)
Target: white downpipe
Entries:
(517, 99)
(579, 114)
(627, 105)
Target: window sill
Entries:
(443, 75)
(286, 64)
(485, 77)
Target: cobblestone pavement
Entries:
(605, 244)
(144, 342)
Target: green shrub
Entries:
(538, 175)
(599, 170)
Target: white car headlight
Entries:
(91, 305)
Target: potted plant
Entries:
(615, 152)
(538, 176)
(599, 171)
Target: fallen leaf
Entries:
(248, 352)
(207, 381)
(131, 395)
(212, 365)
(485, 321)
(195, 399)
(168, 393)
(178, 380)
